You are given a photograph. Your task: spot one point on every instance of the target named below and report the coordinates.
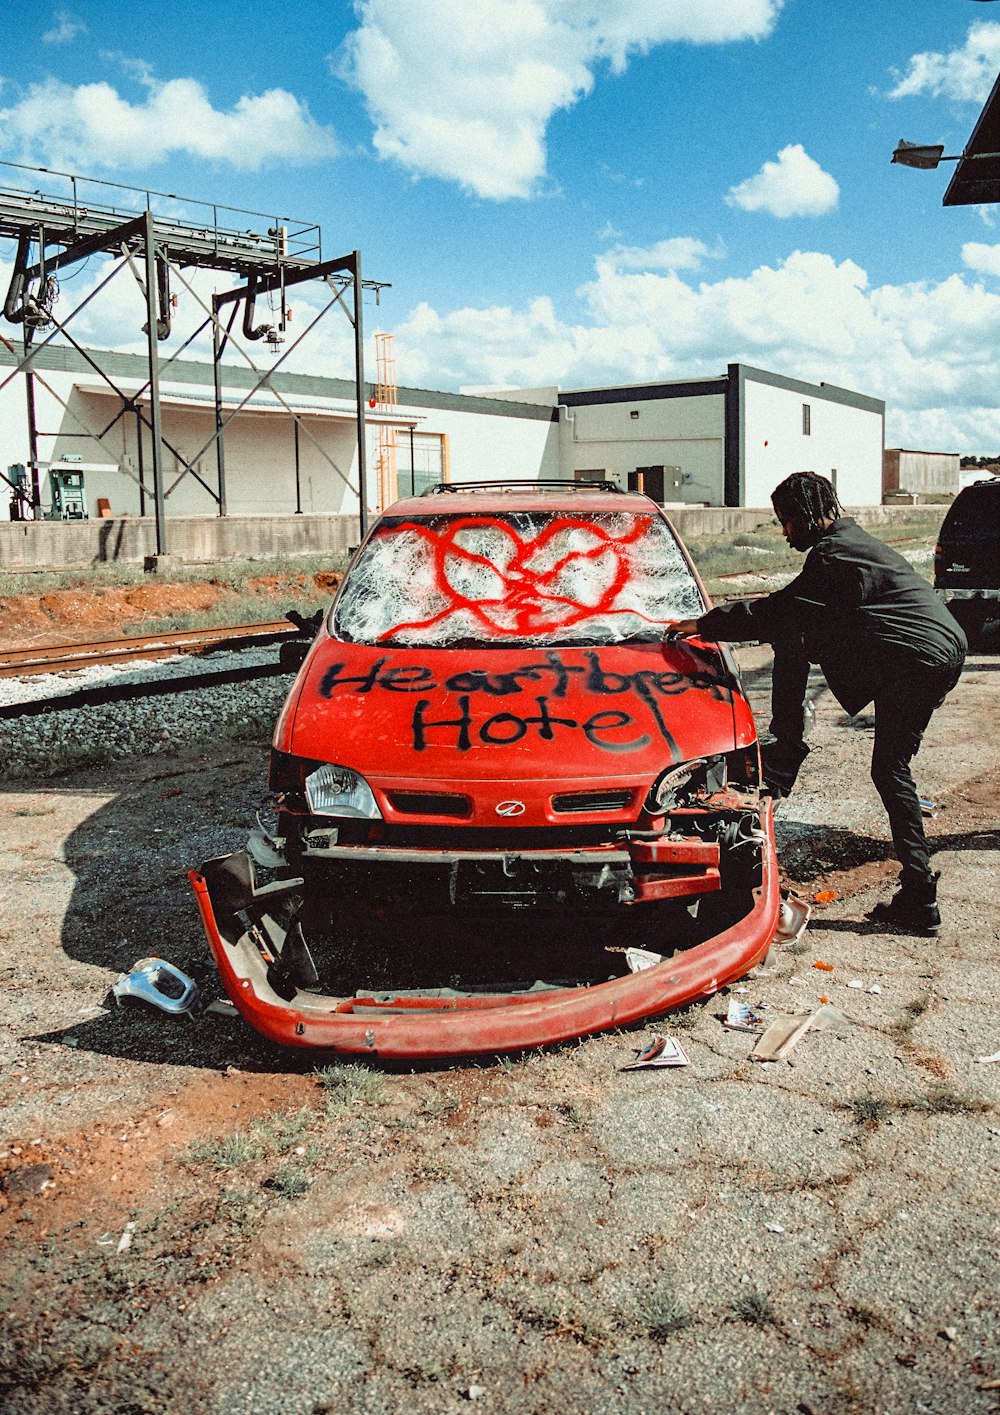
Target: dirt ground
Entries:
(195, 1221)
(79, 614)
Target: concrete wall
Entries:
(42, 545)
(618, 437)
(844, 443)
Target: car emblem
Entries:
(510, 808)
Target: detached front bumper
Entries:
(248, 942)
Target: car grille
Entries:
(428, 803)
(577, 802)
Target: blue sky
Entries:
(565, 191)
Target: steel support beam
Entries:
(155, 423)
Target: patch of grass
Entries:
(755, 1308)
(660, 1316)
(232, 1151)
(349, 1084)
(438, 1105)
(870, 1111)
(290, 1181)
(945, 1099)
(268, 1135)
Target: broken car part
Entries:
(158, 982)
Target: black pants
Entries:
(903, 708)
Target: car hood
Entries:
(512, 714)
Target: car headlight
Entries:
(338, 791)
(703, 777)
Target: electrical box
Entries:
(20, 492)
(658, 483)
(69, 495)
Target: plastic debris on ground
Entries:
(825, 896)
(741, 1017)
(640, 958)
(854, 983)
(823, 967)
(792, 920)
(661, 1051)
(786, 1032)
(985, 1060)
(156, 981)
(928, 808)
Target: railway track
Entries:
(65, 658)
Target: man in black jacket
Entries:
(880, 634)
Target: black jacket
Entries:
(862, 612)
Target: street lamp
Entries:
(915, 154)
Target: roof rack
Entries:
(543, 484)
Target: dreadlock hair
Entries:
(808, 495)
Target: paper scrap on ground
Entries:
(741, 1017)
(985, 1060)
(661, 1051)
(786, 1032)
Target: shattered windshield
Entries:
(516, 577)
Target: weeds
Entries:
(290, 1181)
(945, 1099)
(660, 1316)
(912, 1013)
(270, 1135)
(755, 1308)
(436, 1106)
(870, 1111)
(349, 1084)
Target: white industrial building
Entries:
(722, 441)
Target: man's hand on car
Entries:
(683, 629)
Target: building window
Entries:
(833, 477)
(806, 419)
(633, 413)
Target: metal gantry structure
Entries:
(54, 232)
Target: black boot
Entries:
(780, 762)
(912, 909)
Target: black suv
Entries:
(967, 557)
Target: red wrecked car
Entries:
(509, 810)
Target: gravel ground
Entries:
(221, 1229)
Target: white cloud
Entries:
(966, 74)
(65, 29)
(795, 185)
(93, 126)
(676, 253)
(463, 90)
(985, 259)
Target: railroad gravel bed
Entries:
(52, 741)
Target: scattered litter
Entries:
(823, 967)
(875, 990)
(223, 1006)
(792, 920)
(774, 1228)
(985, 1060)
(106, 1240)
(782, 1035)
(661, 1051)
(855, 983)
(71, 1041)
(990, 1385)
(742, 1018)
(159, 982)
(948, 1333)
(125, 1241)
(929, 808)
(786, 1032)
(825, 896)
(475, 1392)
(641, 958)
